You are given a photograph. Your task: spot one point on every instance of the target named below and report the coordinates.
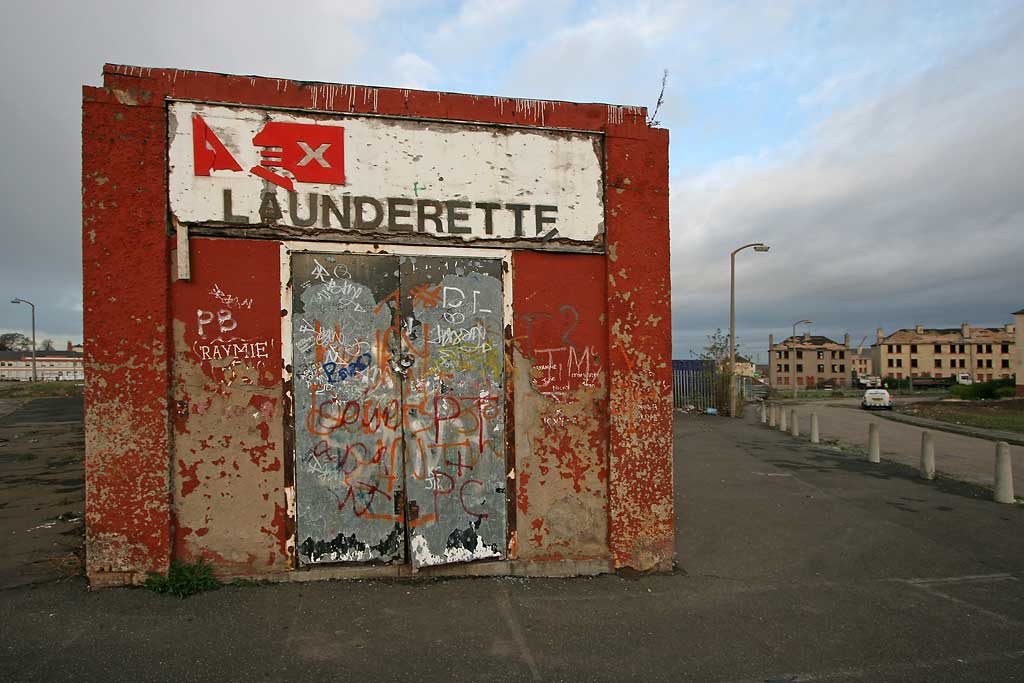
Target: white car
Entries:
(878, 399)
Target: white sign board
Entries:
(409, 180)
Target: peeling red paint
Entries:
(563, 413)
(592, 451)
(126, 308)
(281, 525)
(549, 557)
(236, 411)
(522, 497)
(189, 477)
(641, 511)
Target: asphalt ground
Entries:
(795, 564)
(42, 490)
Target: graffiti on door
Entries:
(454, 408)
(398, 365)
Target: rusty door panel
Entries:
(348, 414)
(453, 347)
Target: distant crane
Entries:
(860, 348)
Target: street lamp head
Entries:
(15, 301)
(761, 247)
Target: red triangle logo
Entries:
(209, 152)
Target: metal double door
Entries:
(399, 408)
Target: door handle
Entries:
(401, 363)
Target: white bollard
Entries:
(783, 427)
(874, 449)
(773, 414)
(794, 423)
(1004, 474)
(764, 412)
(927, 455)
(814, 428)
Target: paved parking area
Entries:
(795, 564)
(42, 490)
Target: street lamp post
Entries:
(758, 246)
(23, 301)
(793, 359)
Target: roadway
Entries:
(843, 423)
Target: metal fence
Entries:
(695, 383)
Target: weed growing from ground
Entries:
(184, 580)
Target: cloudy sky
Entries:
(878, 147)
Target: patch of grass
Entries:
(807, 394)
(40, 389)
(1005, 423)
(983, 390)
(184, 580)
(1006, 415)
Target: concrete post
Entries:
(1004, 474)
(874, 449)
(927, 455)
(794, 423)
(783, 426)
(814, 428)
(764, 412)
(773, 414)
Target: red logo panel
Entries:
(208, 152)
(310, 153)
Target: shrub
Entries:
(962, 391)
(184, 580)
(997, 388)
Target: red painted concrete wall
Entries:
(140, 476)
(640, 347)
(125, 264)
(228, 460)
(560, 357)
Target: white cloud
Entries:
(904, 208)
(409, 70)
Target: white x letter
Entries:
(312, 154)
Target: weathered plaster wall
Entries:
(640, 348)
(561, 406)
(125, 301)
(128, 334)
(228, 468)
